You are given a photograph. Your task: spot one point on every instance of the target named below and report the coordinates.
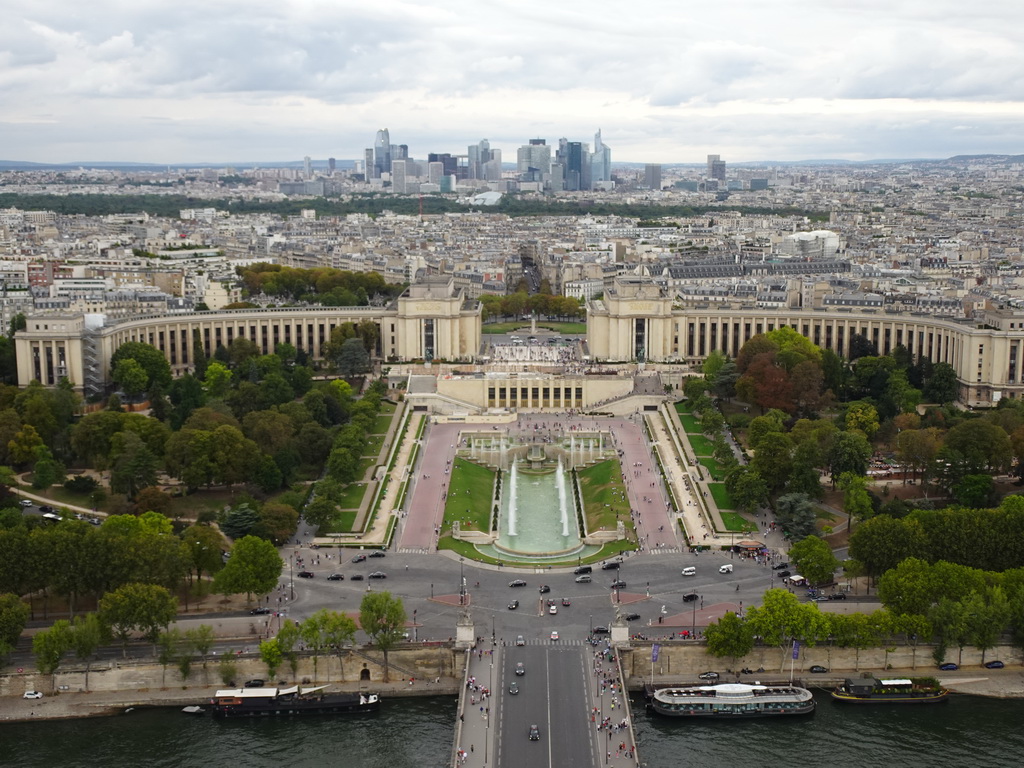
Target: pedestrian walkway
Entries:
(610, 714)
(474, 731)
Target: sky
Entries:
(666, 81)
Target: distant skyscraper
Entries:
(533, 160)
(570, 157)
(478, 154)
(307, 167)
(435, 171)
(331, 165)
(398, 183)
(368, 163)
(652, 176)
(381, 153)
(716, 167)
(600, 161)
(450, 162)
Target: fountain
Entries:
(563, 508)
(513, 501)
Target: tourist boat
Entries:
(732, 700)
(918, 690)
(258, 702)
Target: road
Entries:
(553, 696)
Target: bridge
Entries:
(566, 688)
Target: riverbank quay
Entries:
(65, 705)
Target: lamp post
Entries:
(462, 581)
(291, 573)
(693, 628)
(431, 591)
(414, 625)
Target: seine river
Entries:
(967, 732)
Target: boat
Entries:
(869, 690)
(726, 701)
(193, 710)
(259, 702)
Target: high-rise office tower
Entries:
(570, 157)
(533, 160)
(477, 155)
(716, 167)
(307, 167)
(600, 161)
(492, 168)
(652, 176)
(368, 163)
(398, 183)
(381, 153)
(435, 171)
(331, 165)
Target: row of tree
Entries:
(321, 285)
(516, 305)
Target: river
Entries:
(417, 733)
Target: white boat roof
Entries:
(248, 693)
(734, 687)
(897, 681)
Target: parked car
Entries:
(949, 666)
(544, 589)
(708, 675)
(690, 597)
(520, 640)
(534, 733)
(618, 584)
(27, 503)
(552, 609)
(336, 577)
(358, 558)
(378, 553)
(818, 669)
(837, 596)
(306, 574)
(356, 577)
(378, 575)
(32, 695)
(632, 617)
(517, 583)
(257, 682)
(584, 579)
(994, 665)
(520, 669)
(513, 605)
(259, 611)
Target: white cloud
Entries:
(234, 80)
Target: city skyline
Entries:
(263, 82)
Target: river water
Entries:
(967, 732)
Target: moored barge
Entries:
(726, 701)
(919, 690)
(260, 702)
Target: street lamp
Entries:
(414, 625)
(693, 628)
(291, 573)
(462, 581)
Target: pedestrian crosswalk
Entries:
(562, 642)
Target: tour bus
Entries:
(52, 517)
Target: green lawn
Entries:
(525, 327)
(684, 406)
(381, 423)
(690, 423)
(701, 445)
(386, 407)
(373, 445)
(722, 498)
(736, 522)
(364, 464)
(352, 496)
(713, 467)
(342, 522)
(604, 495)
(469, 496)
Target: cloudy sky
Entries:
(665, 80)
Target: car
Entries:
(554, 636)
(513, 605)
(611, 566)
(336, 577)
(688, 571)
(632, 617)
(565, 601)
(618, 584)
(727, 568)
(359, 558)
(32, 695)
(27, 503)
(95, 521)
(818, 669)
(256, 682)
(544, 589)
(534, 733)
(517, 583)
(994, 665)
(784, 574)
(780, 566)
(378, 553)
(837, 596)
(306, 574)
(691, 597)
(708, 675)
(583, 569)
(552, 609)
(520, 640)
(584, 579)
(48, 508)
(520, 669)
(513, 687)
(356, 577)
(378, 575)
(949, 666)
(259, 611)
(599, 630)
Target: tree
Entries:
(779, 619)
(313, 632)
(22, 447)
(849, 452)
(217, 380)
(797, 515)
(862, 417)
(340, 632)
(353, 359)
(883, 543)
(133, 465)
(152, 499)
(204, 545)
(149, 358)
(277, 522)
(86, 636)
(856, 501)
(814, 559)
(240, 521)
(51, 645)
(199, 359)
(143, 608)
(942, 385)
(201, 639)
(730, 637)
(987, 616)
(980, 445)
(975, 491)
(13, 618)
(747, 489)
(254, 567)
(271, 656)
(131, 377)
(773, 460)
(382, 618)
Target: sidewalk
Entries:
(610, 714)
(474, 736)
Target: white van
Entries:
(689, 571)
(727, 568)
